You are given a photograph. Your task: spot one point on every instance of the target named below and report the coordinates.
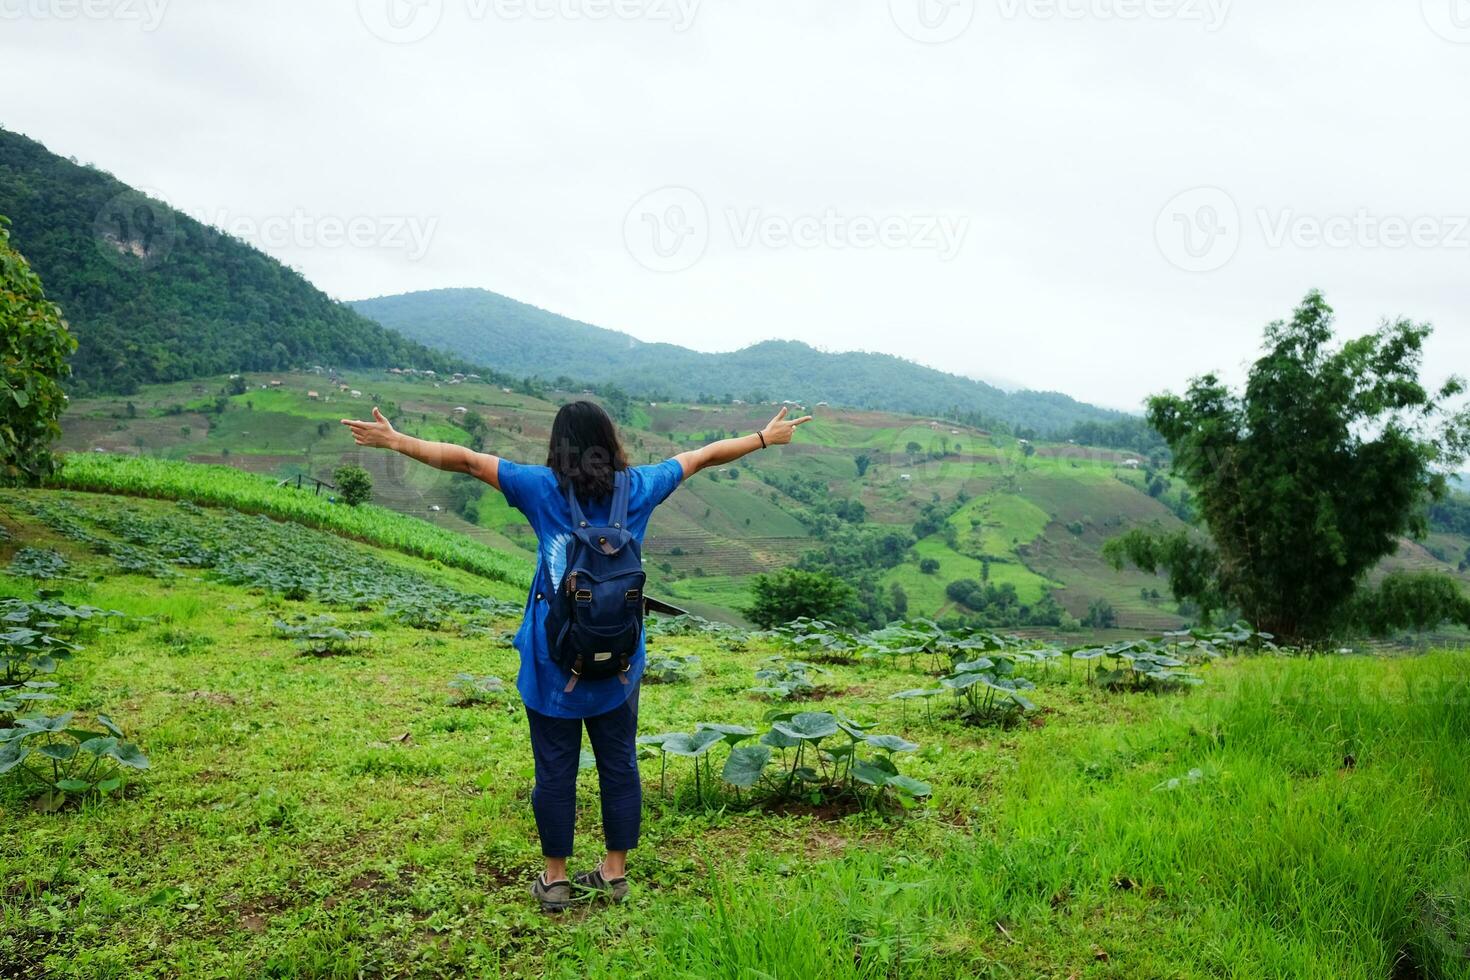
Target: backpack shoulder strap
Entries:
(622, 489)
(578, 518)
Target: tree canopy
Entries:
(1306, 479)
(34, 347)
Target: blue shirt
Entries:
(532, 490)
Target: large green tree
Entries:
(34, 347)
(1309, 477)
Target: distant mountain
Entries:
(519, 339)
(153, 295)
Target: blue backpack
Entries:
(595, 619)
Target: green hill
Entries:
(977, 503)
(523, 340)
(153, 295)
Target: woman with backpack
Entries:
(581, 639)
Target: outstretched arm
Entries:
(440, 455)
(777, 432)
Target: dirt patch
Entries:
(254, 922)
(213, 697)
(831, 693)
(823, 845)
(503, 877)
(829, 809)
(368, 881)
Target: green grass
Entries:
(287, 829)
(927, 592)
(724, 591)
(222, 486)
(999, 524)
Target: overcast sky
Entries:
(1102, 197)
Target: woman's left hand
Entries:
(779, 430)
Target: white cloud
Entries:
(1058, 132)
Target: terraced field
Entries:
(1038, 513)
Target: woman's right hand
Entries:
(378, 433)
(779, 430)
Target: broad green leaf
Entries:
(1020, 699)
(691, 746)
(891, 743)
(100, 745)
(867, 772)
(131, 756)
(733, 734)
(12, 754)
(107, 723)
(779, 740)
(973, 666)
(808, 725)
(108, 785)
(60, 751)
(43, 724)
(917, 692)
(73, 785)
(746, 763)
(909, 786)
(959, 682)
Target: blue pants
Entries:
(557, 745)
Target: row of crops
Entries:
(989, 676)
(224, 486)
(828, 757)
(58, 760)
(248, 550)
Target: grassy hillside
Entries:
(344, 813)
(1035, 521)
(153, 295)
(523, 340)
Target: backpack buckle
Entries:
(584, 595)
(633, 595)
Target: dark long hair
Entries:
(585, 451)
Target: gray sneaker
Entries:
(554, 897)
(611, 889)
